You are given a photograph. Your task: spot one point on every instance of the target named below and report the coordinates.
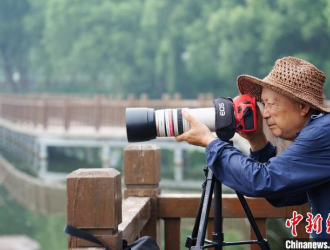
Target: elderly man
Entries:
(292, 96)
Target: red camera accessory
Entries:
(245, 113)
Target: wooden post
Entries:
(165, 98)
(94, 205)
(176, 96)
(66, 114)
(143, 100)
(1, 106)
(44, 115)
(142, 177)
(172, 233)
(98, 112)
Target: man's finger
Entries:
(180, 138)
(186, 115)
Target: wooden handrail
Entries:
(185, 206)
(94, 204)
(70, 111)
(93, 111)
(137, 212)
(174, 207)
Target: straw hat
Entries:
(293, 77)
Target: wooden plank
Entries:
(136, 213)
(172, 233)
(185, 206)
(177, 206)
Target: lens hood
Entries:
(140, 124)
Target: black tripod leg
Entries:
(261, 241)
(205, 211)
(218, 237)
(191, 240)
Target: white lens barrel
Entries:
(175, 123)
(169, 122)
(205, 116)
(160, 122)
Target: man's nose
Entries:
(265, 113)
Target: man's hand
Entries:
(198, 135)
(257, 139)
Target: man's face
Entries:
(283, 116)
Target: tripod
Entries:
(197, 240)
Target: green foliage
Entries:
(14, 42)
(136, 46)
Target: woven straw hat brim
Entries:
(252, 85)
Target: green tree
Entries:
(92, 43)
(129, 46)
(246, 37)
(14, 44)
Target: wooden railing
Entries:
(74, 111)
(95, 204)
(93, 111)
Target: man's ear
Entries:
(304, 109)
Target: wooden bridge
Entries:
(30, 124)
(79, 121)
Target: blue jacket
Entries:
(300, 174)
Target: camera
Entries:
(225, 117)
